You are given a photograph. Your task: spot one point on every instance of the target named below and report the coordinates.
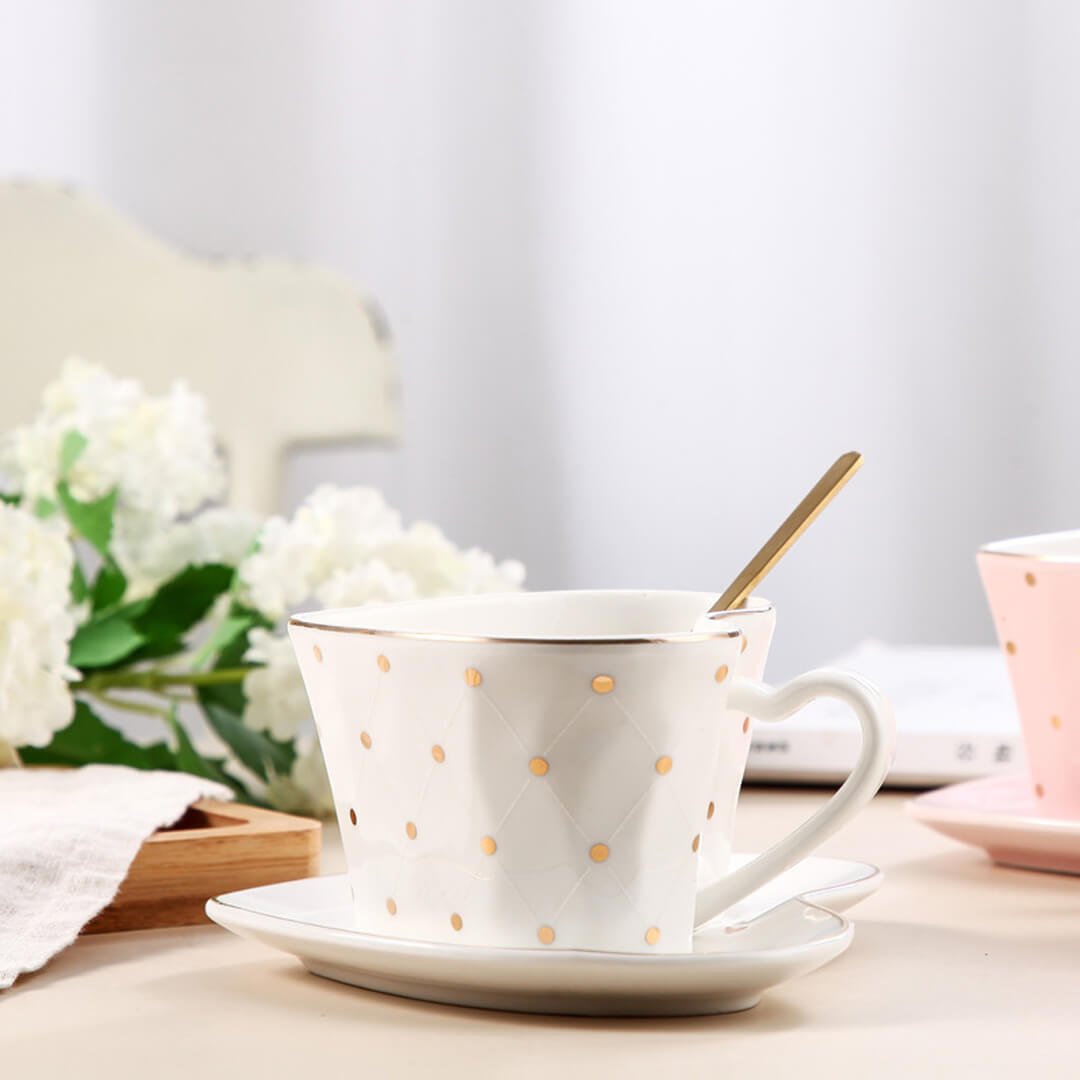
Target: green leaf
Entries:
(89, 739)
(12, 499)
(263, 755)
(109, 587)
(232, 627)
(155, 650)
(74, 443)
(230, 696)
(103, 642)
(224, 706)
(188, 759)
(91, 520)
(79, 589)
(183, 600)
(43, 507)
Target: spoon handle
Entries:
(796, 523)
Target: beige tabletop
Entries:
(958, 968)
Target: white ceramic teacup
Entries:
(536, 769)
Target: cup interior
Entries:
(564, 616)
(1054, 547)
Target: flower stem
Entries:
(131, 706)
(158, 681)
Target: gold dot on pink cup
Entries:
(1029, 577)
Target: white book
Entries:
(955, 719)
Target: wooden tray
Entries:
(214, 848)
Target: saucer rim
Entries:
(846, 894)
(841, 934)
(926, 809)
(567, 982)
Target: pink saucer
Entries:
(999, 813)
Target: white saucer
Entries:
(770, 937)
(1000, 814)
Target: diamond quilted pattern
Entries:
(398, 726)
(600, 765)
(480, 740)
(603, 907)
(542, 850)
(652, 852)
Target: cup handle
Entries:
(878, 737)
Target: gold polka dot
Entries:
(652, 935)
(473, 677)
(538, 766)
(1039, 792)
(712, 810)
(663, 765)
(438, 753)
(391, 906)
(383, 663)
(318, 653)
(721, 672)
(365, 738)
(599, 852)
(546, 935)
(488, 845)
(352, 815)
(1010, 648)
(697, 843)
(1055, 722)
(746, 725)
(745, 642)
(455, 921)
(410, 830)
(1029, 578)
(603, 684)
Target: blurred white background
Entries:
(649, 266)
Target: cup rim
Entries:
(321, 620)
(1012, 547)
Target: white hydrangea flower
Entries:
(278, 576)
(334, 529)
(276, 700)
(218, 535)
(158, 452)
(346, 547)
(367, 583)
(36, 625)
(440, 569)
(306, 790)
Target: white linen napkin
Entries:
(67, 840)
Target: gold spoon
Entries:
(797, 522)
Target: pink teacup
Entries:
(1033, 584)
